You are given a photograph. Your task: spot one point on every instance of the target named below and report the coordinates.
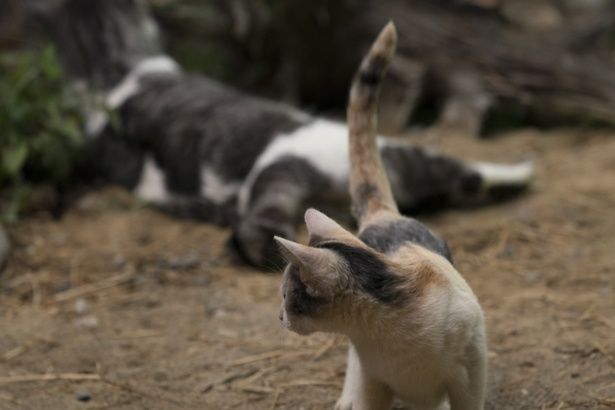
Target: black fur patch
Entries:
(195, 207)
(387, 238)
(426, 182)
(369, 78)
(370, 273)
(298, 302)
(471, 184)
(118, 161)
(373, 74)
(268, 253)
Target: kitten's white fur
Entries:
(152, 186)
(130, 84)
(323, 143)
(95, 122)
(500, 174)
(215, 188)
(97, 119)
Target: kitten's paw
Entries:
(343, 403)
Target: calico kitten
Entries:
(416, 330)
(195, 148)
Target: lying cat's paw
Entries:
(253, 240)
(343, 404)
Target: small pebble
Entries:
(81, 306)
(89, 321)
(532, 277)
(119, 261)
(83, 395)
(218, 313)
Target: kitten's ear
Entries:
(321, 226)
(318, 268)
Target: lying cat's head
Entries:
(333, 276)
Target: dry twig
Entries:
(93, 287)
(268, 355)
(48, 377)
(297, 383)
(256, 389)
(228, 379)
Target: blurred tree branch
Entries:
(551, 59)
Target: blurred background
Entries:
(474, 67)
(108, 304)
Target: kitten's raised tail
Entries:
(370, 189)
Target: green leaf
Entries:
(14, 158)
(41, 125)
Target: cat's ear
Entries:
(321, 226)
(318, 268)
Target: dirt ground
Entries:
(134, 310)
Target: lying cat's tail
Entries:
(370, 189)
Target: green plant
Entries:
(40, 126)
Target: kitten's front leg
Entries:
(351, 382)
(362, 392)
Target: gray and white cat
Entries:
(416, 330)
(193, 147)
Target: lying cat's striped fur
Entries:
(195, 148)
(416, 329)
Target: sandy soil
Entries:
(133, 310)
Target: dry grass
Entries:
(112, 301)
